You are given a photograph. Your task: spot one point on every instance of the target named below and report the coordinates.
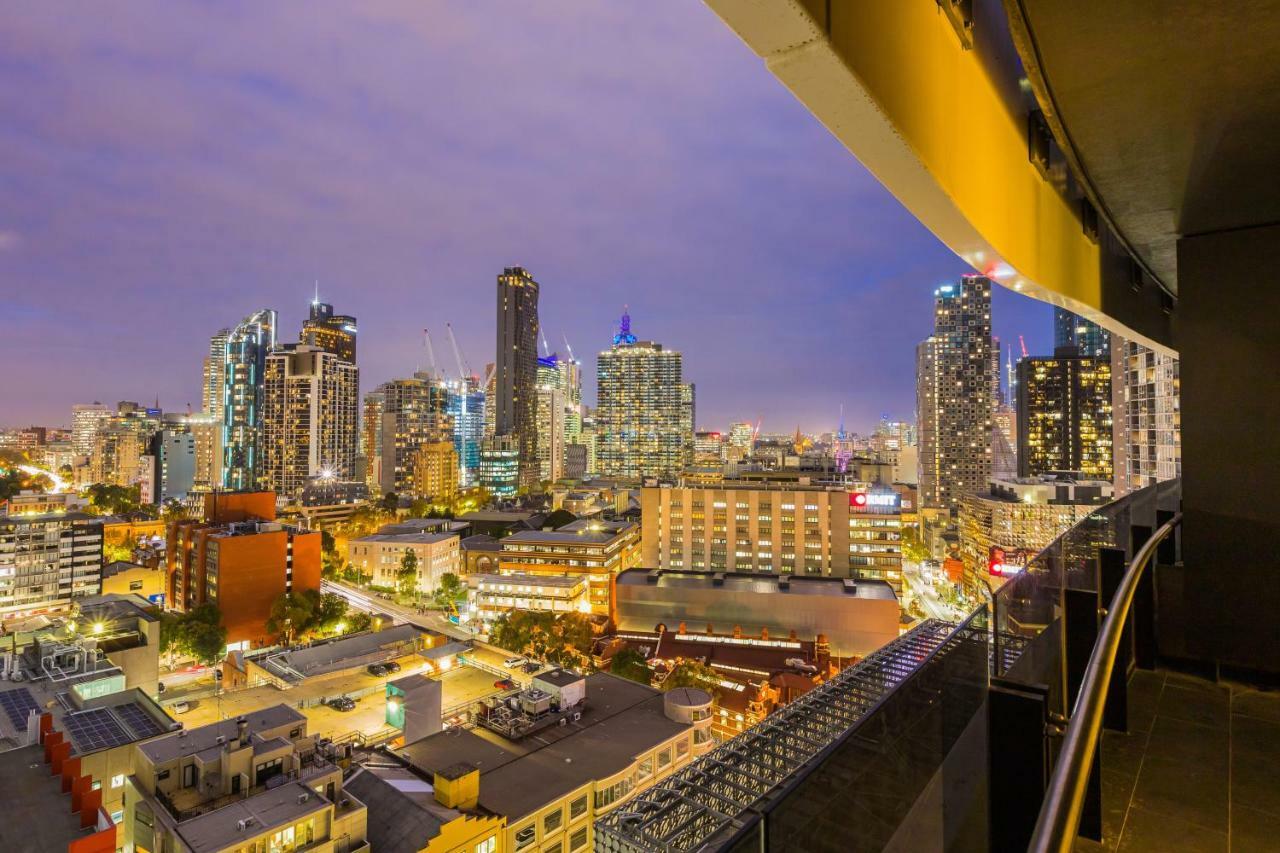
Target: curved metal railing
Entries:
(1059, 819)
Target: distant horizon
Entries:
(388, 154)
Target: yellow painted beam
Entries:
(891, 80)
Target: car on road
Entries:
(342, 703)
(180, 707)
(505, 684)
(378, 669)
(513, 662)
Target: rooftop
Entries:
(758, 583)
(481, 542)
(583, 531)
(621, 720)
(275, 807)
(407, 538)
(403, 812)
(567, 581)
(177, 744)
(497, 515)
(333, 655)
(26, 788)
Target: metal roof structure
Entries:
(710, 796)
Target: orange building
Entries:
(241, 559)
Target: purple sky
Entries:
(169, 167)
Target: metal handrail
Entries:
(1059, 819)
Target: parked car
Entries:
(392, 666)
(159, 686)
(505, 684)
(342, 703)
(180, 707)
(532, 666)
(377, 669)
(513, 662)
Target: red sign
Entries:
(858, 499)
(1003, 562)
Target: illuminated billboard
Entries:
(880, 500)
(1003, 562)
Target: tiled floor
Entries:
(1199, 769)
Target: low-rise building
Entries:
(593, 549)
(254, 783)
(125, 578)
(495, 595)
(550, 782)
(381, 554)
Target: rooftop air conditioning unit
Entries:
(302, 798)
(220, 739)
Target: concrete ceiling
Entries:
(1172, 110)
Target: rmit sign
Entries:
(861, 500)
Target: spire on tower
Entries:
(624, 335)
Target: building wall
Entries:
(381, 560)
(250, 576)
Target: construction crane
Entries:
(431, 353)
(1022, 344)
(464, 369)
(567, 347)
(546, 350)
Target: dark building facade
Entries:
(335, 333)
(1065, 415)
(516, 366)
(1072, 330)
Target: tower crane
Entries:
(464, 369)
(431, 353)
(1022, 344)
(567, 347)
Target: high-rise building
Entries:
(243, 371)
(173, 464)
(643, 412)
(436, 470)
(1064, 415)
(400, 416)
(49, 555)
(1088, 338)
(206, 433)
(1148, 422)
(335, 333)
(466, 405)
(954, 394)
(121, 442)
(85, 420)
(552, 404)
(215, 374)
(515, 379)
(500, 465)
(310, 418)
(742, 441)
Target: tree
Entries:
(206, 642)
(328, 545)
(420, 508)
(451, 590)
(290, 615)
(691, 673)
(390, 502)
(330, 610)
(407, 576)
(173, 510)
(110, 499)
(629, 663)
(198, 634)
(913, 549)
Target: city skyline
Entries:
(391, 191)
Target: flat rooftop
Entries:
(757, 583)
(580, 536)
(103, 722)
(621, 720)
(197, 740)
(567, 581)
(403, 813)
(295, 665)
(277, 807)
(26, 788)
(408, 537)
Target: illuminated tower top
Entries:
(624, 336)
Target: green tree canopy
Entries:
(451, 590)
(198, 634)
(290, 615)
(913, 548)
(629, 663)
(407, 576)
(691, 673)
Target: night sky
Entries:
(167, 168)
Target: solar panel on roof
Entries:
(17, 704)
(95, 729)
(138, 720)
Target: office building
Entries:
(1086, 337)
(642, 412)
(120, 444)
(173, 464)
(240, 559)
(435, 474)
(953, 394)
(466, 405)
(243, 372)
(500, 465)
(1064, 415)
(1148, 418)
(380, 554)
(1004, 528)
(310, 417)
(85, 420)
(256, 783)
(550, 411)
(515, 373)
(50, 555)
(708, 448)
(595, 550)
(783, 528)
(399, 417)
(550, 782)
(335, 333)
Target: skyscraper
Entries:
(1071, 330)
(215, 374)
(335, 333)
(401, 416)
(1064, 415)
(243, 371)
(643, 413)
(1148, 416)
(85, 420)
(954, 394)
(500, 465)
(310, 417)
(515, 392)
(550, 418)
(466, 406)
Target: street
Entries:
(926, 594)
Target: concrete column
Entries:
(1228, 334)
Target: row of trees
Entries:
(564, 639)
(198, 634)
(295, 615)
(630, 663)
